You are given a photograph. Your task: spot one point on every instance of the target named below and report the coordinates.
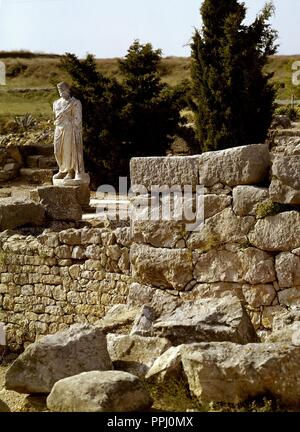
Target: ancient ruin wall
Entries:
(54, 280)
(249, 246)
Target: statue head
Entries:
(64, 90)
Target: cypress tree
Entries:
(232, 96)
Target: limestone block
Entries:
(123, 236)
(94, 252)
(60, 203)
(277, 233)
(111, 391)
(290, 297)
(288, 270)
(224, 227)
(79, 349)
(259, 295)
(78, 253)
(245, 165)
(205, 320)
(163, 268)
(245, 265)
(70, 237)
(16, 212)
(135, 354)
(229, 373)
(167, 171)
(214, 204)
(160, 301)
(246, 199)
(223, 319)
(91, 236)
(213, 290)
(63, 252)
(158, 234)
(285, 186)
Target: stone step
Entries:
(40, 161)
(37, 149)
(37, 176)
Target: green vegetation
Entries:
(43, 71)
(135, 116)
(269, 208)
(232, 96)
(174, 396)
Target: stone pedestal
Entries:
(81, 186)
(60, 203)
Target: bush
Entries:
(269, 208)
(15, 69)
(292, 112)
(137, 117)
(232, 96)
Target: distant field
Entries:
(25, 70)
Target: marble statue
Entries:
(68, 148)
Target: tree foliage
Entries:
(135, 117)
(232, 96)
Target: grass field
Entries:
(40, 72)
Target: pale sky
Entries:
(107, 28)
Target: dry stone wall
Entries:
(249, 242)
(56, 279)
(248, 246)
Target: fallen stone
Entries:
(224, 372)
(159, 300)
(111, 391)
(119, 317)
(144, 321)
(222, 319)
(60, 203)
(135, 354)
(81, 348)
(229, 373)
(245, 165)
(166, 367)
(17, 212)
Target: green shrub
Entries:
(292, 112)
(269, 208)
(232, 95)
(135, 117)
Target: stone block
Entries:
(246, 165)
(60, 203)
